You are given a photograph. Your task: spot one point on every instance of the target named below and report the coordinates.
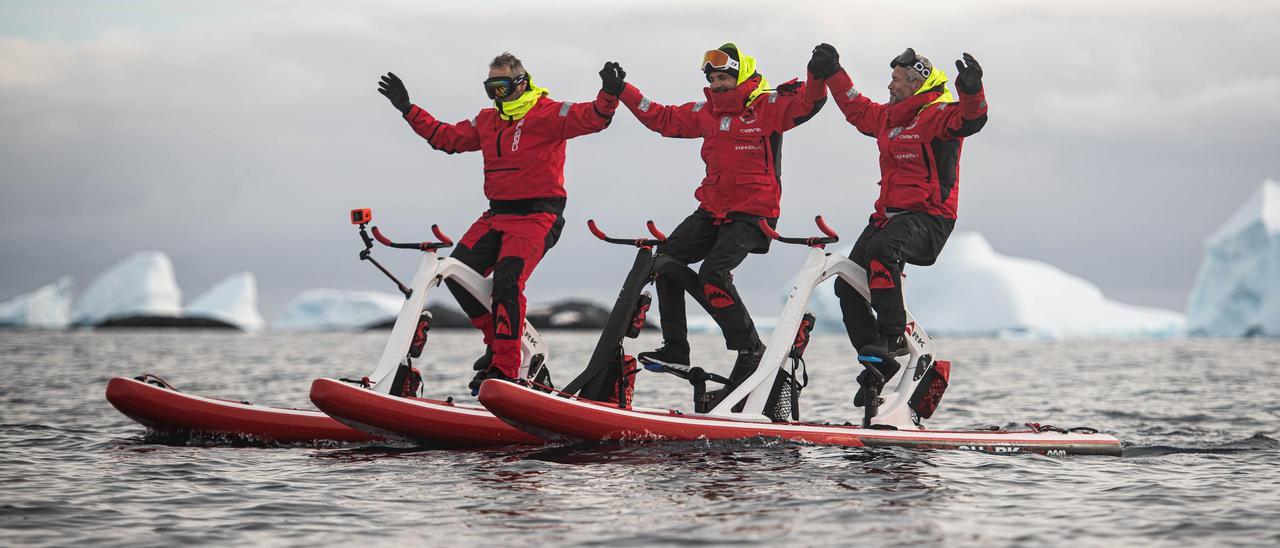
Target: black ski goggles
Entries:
(912, 61)
(500, 88)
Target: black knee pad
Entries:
(506, 278)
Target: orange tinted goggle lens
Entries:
(717, 59)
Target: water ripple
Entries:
(1201, 458)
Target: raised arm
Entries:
(450, 138)
(865, 114)
(583, 118)
(824, 70)
(800, 101)
(578, 119)
(973, 101)
(670, 121)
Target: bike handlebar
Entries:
(444, 242)
(811, 241)
(659, 237)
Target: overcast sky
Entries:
(237, 136)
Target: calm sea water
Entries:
(1199, 418)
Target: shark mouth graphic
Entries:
(879, 278)
(718, 298)
(502, 321)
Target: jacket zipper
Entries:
(497, 144)
(764, 145)
(924, 157)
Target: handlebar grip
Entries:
(653, 229)
(591, 224)
(822, 225)
(435, 229)
(377, 234)
(768, 230)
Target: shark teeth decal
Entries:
(718, 298)
(502, 322)
(879, 278)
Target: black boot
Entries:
(484, 361)
(874, 375)
(743, 367)
(668, 354)
(746, 364)
(490, 373)
(884, 347)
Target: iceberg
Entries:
(46, 308)
(703, 323)
(1237, 291)
(338, 310)
(141, 285)
(233, 300)
(974, 291)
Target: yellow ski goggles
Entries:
(717, 60)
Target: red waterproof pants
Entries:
(508, 246)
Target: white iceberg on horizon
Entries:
(974, 291)
(140, 285)
(48, 307)
(338, 310)
(704, 323)
(1237, 291)
(233, 300)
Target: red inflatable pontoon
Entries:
(430, 422)
(165, 409)
(562, 418)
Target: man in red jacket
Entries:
(920, 134)
(523, 140)
(741, 124)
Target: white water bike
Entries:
(385, 403)
(388, 401)
(766, 403)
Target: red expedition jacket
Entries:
(523, 159)
(919, 147)
(741, 145)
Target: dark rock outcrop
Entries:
(152, 322)
(566, 314)
(442, 317)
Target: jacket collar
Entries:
(734, 100)
(902, 112)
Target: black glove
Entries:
(825, 61)
(968, 78)
(612, 78)
(393, 89)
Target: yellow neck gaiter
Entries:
(515, 109)
(936, 78)
(747, 69)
